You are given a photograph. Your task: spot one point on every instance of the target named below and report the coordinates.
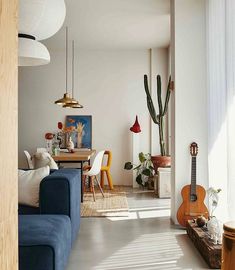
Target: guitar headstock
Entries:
(194, 149)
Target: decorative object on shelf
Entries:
(49, 140)
(211, 252)
(136, 127)
(70, 145)
(201, 221)
(214, 227)
(76, 105)
(38, 20)
(193, 195)
(81, 126)
(163, 160)
(145, 170)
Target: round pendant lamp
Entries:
(32, 53)
(38, 20)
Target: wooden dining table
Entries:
(78, 156)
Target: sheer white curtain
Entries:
(221, 84)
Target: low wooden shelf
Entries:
(200, 237)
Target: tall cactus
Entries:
(162, 110)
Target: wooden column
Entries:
(228, 252)
(8, 135)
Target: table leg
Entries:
(81, 181)
(89, 179)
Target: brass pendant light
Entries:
(66, 98)
(75, 104)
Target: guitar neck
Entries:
(194, 175)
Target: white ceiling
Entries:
(115, 24)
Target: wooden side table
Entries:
(228, 254)
(209, 251)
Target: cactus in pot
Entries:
(158, 119)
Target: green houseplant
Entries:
(158, 118)
(144, 170)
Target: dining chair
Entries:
(41, 150)
(93, 172)
(29, 160)
(105, 169)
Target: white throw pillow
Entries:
(29, 182)
(43, 159)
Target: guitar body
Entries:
(193, 195)
(192, 207)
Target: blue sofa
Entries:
(46, 233)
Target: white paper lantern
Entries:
(38, 20)
(41, 18)
(32, 53)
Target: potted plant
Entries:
(145, 170)
(162, 160)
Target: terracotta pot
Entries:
(161, 161)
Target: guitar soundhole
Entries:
(193, 197)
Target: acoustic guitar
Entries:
(193, 195)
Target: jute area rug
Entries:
(113, 204)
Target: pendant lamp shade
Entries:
(32, 53)
(41, 18)
(75, 106)
(65, 100)
(38, 20)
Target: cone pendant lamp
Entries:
(136, 127)
(75, 104)
(66, 99)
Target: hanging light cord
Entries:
(66, 65)
(73, 69)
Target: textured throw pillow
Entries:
(28, 184)
(44, 159)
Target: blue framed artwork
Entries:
(82, 135)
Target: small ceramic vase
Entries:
(70, 145)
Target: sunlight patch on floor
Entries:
(142, 213)
(149, 251)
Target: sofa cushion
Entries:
(42, 159)
(44, 242)
(28, 185)
(60, 193)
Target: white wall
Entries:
(189, 100)
(110, 86)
